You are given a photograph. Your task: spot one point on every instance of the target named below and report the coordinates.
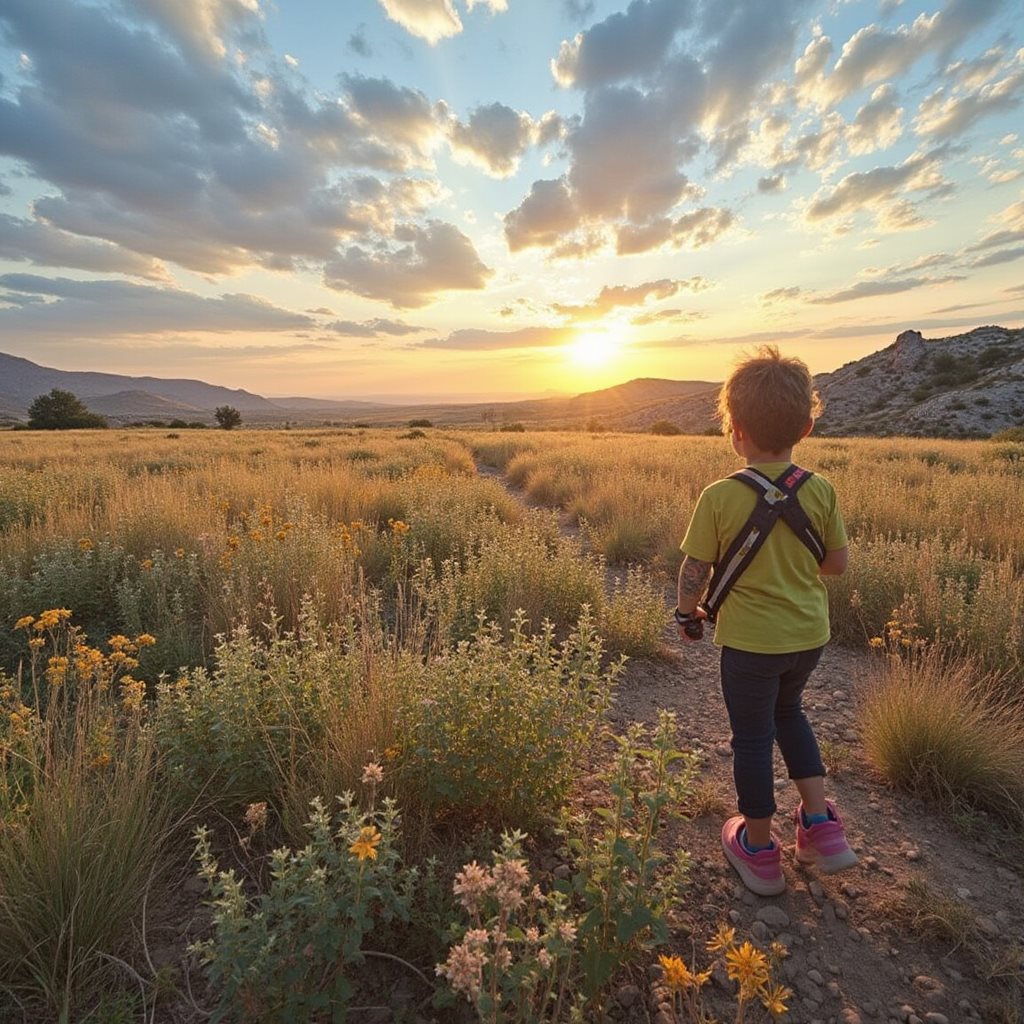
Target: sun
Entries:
(594, 350)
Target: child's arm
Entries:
(693, 578)
(834, 562)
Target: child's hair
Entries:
(771, 399)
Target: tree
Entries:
(227, 417)
(61, 410)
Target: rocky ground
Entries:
(919, 931)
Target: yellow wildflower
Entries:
(723, 939)
(747, 965)
(101, 760)
(146, 564)
(392, 752)
(56, 670)
(366, 845)
(179, 552)
(679, 977)
(281, 534)
(774, 999)
(255, 535)
(24, 622)
(84, 544)
(50, 618)
(36, 642)
(145, 640)
(876, 641)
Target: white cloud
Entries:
(942, 115)
(479, 340)
(543, 218)
(874, 54)
(869, 289)
(432, 20)
(429, 260)
(494, 138)
(878, 124)
(625, 45)
(612, 297)
(81, 308)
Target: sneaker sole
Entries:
(830, 864)
(755, 883)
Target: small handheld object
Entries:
(692, 625)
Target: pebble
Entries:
(936, 1018)
(816, 890)
(850, 891)
(773, 916)
(842, 911)
(759, 931)
(816, 977)
(723, 750)
(963, 894)
(735, 916)
(871, 863)
(989, 927)
(848, 1015)
(627, 995)
(562, 871)
(1006, 875)
(850, 736)
(912, 854)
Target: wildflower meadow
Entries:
(292, 722)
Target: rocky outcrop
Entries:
(909, 351)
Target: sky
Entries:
(487, 199)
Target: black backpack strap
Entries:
(776, 500)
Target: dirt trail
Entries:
(854, 957)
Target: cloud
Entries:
(873, 54)
(944, 116)
(432, 20)
(372, 328)
(880, 189)
(578, 10)
(478, 340)
(995, 258)
(781, 295)
(867, 289)
(359, 44)
(494, 138)
(771, 184)
(692, 230)
(623, 46)
(668, 315)
(435, 258)
(36, 242)
(543, 218)
(611, 297)
(82, 308)
(878, 124)
(396, 115)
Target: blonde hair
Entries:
(770, 398)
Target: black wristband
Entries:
(682, 618)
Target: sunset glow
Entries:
(387, 198)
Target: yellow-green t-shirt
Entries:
(779, 604)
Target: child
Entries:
(774, 622)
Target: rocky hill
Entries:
(970, 385)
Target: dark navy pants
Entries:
(763, 695)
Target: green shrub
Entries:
(294, 951)
(495, 727)
(665, 428)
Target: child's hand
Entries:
(692, 631)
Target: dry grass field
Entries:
(206, 639)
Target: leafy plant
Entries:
(622, 879)
(292, 952)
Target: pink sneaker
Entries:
(760, 872)
(824, 845)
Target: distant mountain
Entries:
(21, 381)
(968, 385)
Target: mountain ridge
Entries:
(967, 385)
